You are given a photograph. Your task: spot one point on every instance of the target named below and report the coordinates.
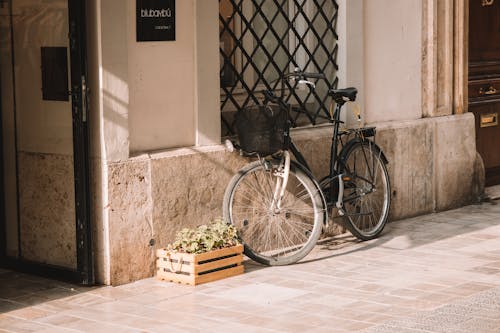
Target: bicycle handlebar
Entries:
(314, 76)
(304, 75)
(299, 76)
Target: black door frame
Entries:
(79, 90)
(3, 236)
(84, 272)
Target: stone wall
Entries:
(47, 208)
(154, 196)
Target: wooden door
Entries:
(484, 82)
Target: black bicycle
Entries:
(278, 207)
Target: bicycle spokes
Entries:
(278, 214)
(366, 195)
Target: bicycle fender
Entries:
(356, 141)
(307, 172)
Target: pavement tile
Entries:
(363, 316)
(480, 325)
(5, 321)
(9, 305)
(28, 313)
(436, 273)
(86, 325)
(372, 288)
(56, 305)
(426, 287)
(485, 269)
(391, 329)
(121, 307)
(352, 326)
(44, 296)
(455, 309)
(467, 289)
(241, 328)
(439, 297)
(55, 330)
(488, 313)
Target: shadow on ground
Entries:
(19, 290)
(419, 231)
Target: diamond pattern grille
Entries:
(260, 39)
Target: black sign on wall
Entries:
(155, 20)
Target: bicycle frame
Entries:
(335, 194)
(333, 174)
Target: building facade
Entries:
(154, 161)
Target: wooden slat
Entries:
(199, 279)
(202, 256)
(196, 280)
(161, 253)
(197, 269)
(219, 275)
(179, 278)
(186, 267)
(218, 253)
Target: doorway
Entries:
(484, 82)
(45, 138)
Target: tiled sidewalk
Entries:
(436, 273)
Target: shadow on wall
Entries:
(116, 100)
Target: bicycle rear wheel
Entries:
(274, 236)
(367, 191)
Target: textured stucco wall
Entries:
(162, 84)
(392, 59)
(154, 196)
(151, 89)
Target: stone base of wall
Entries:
(431, 165)
(47, 208)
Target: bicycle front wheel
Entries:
(274, 235)
(366, 191)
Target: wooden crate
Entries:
(195, 269)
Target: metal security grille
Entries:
(261, 39)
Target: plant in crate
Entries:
(204, 238)
(206, 253)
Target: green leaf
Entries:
(215, 235)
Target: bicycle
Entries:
(278, 207)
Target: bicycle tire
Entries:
(367, 195)
(270, 237)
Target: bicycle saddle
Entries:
(349, 93)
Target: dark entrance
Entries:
(484, 82)
(45, 190)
